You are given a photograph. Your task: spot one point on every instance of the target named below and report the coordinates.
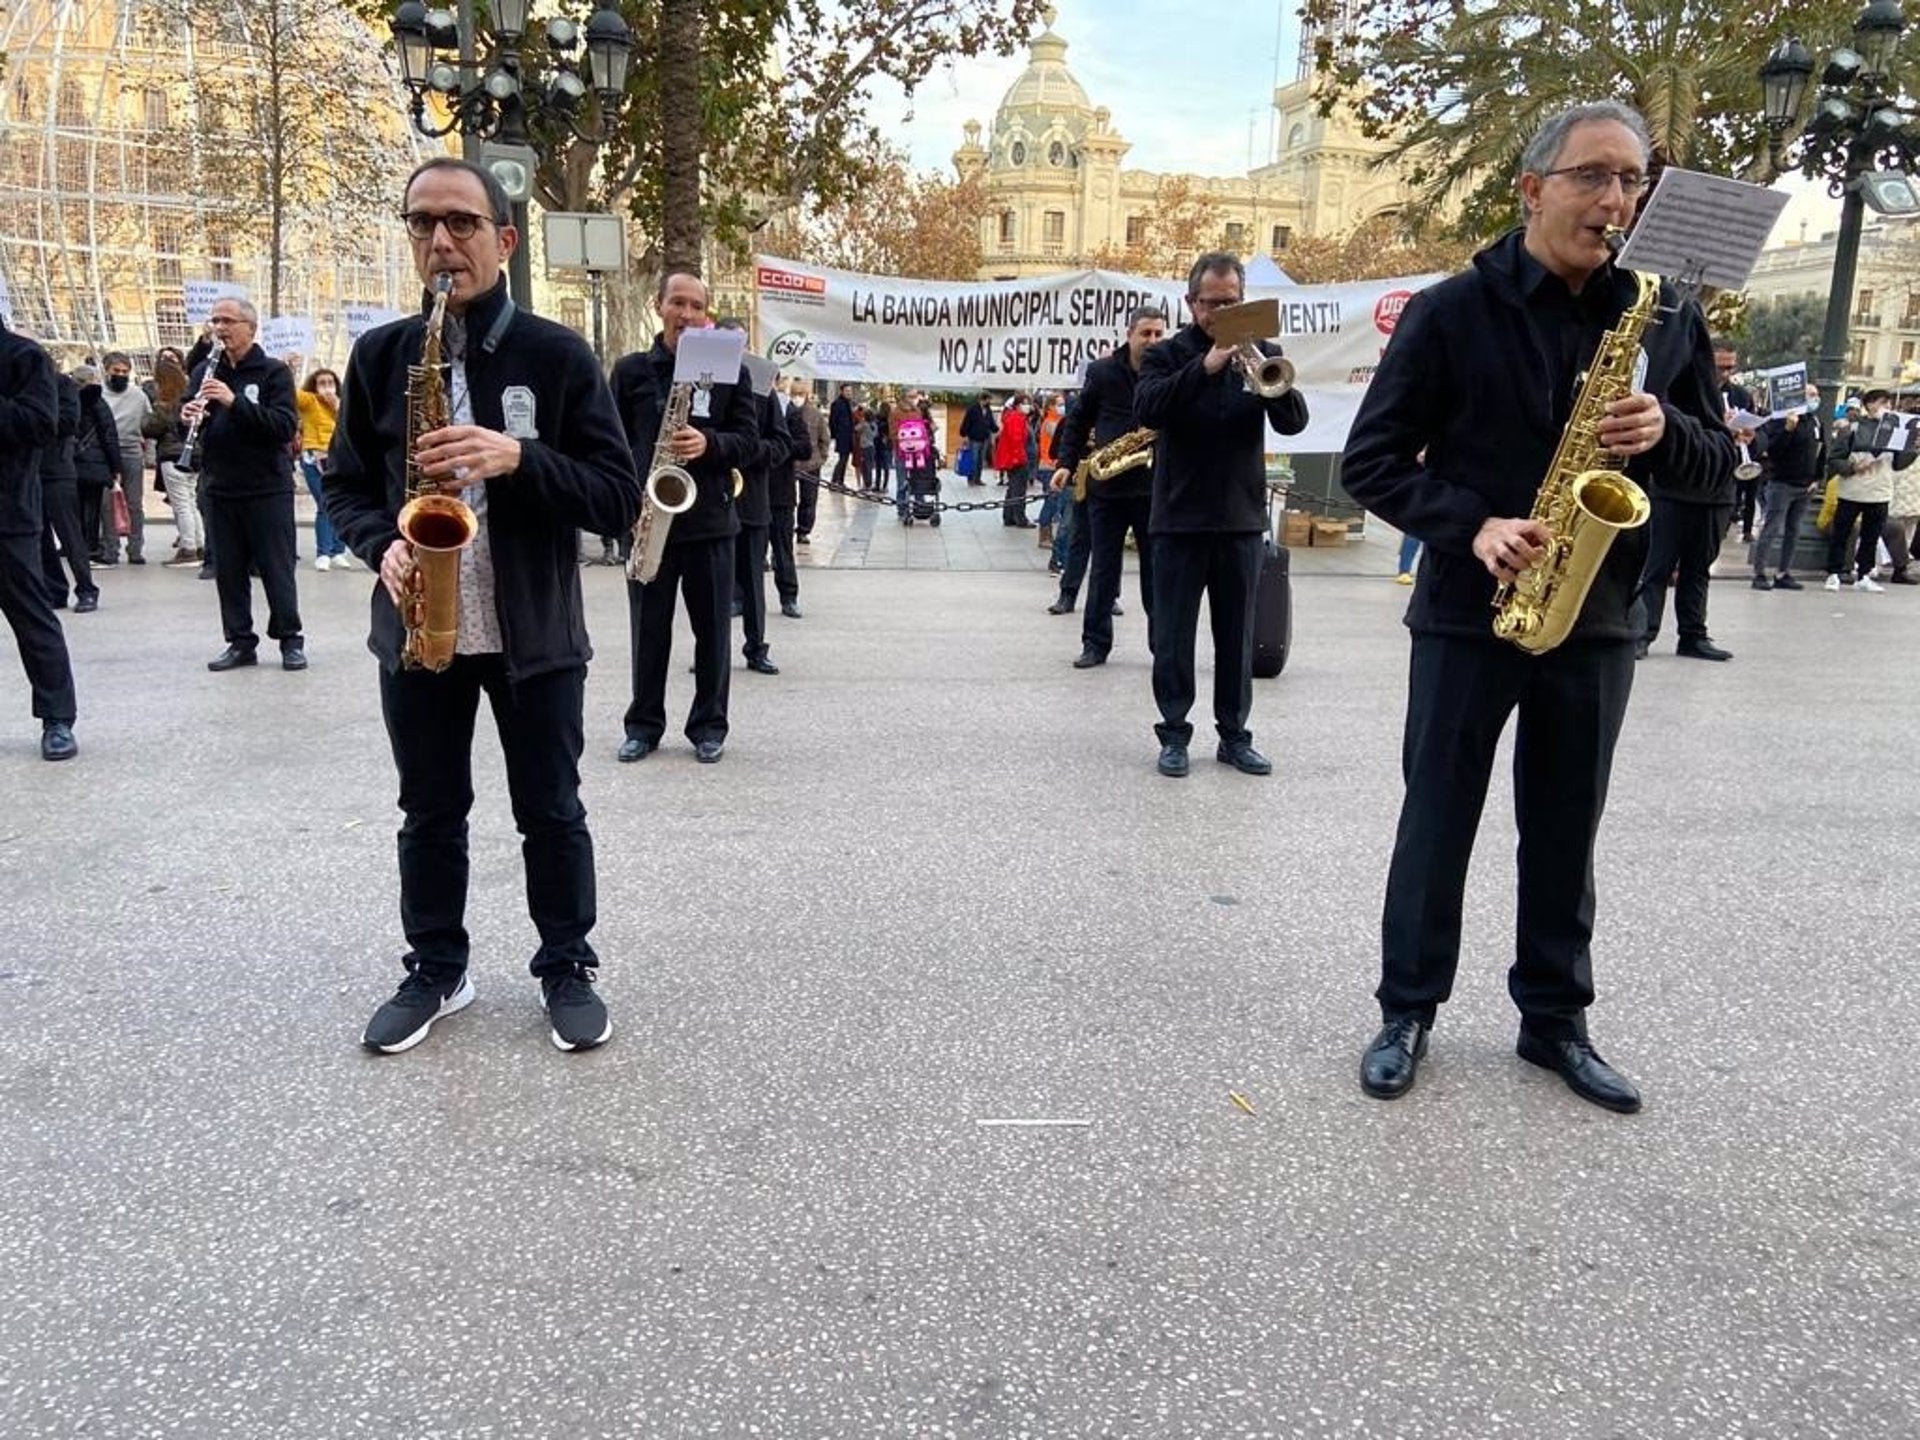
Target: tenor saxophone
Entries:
(670, 491)
(1584, 500)
(437, 527)
(1116, 457)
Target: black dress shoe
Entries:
(1702, 649)
(232, 658)
(293, 656)
(634, 748)
(1784, 581)
(1392, 1061)
(86, 604)
(790, 609)
(708, 752)
(1173, 760)
(1062, 606)
(1087, 659)
(1579, 1064)
(760, 665)
(1244, 758)
(57, 742)
(1761, 582)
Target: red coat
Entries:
(1010, 449)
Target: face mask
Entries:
(117, 383)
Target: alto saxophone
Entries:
(437, 527)
(670, 491)
(1584, 501)
(1131, 451)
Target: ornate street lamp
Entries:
(527, 94)
(1857, 138)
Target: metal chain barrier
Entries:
(885, 497)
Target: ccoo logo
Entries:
(789, 346)
(1386, 310)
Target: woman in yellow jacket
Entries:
(319, 402)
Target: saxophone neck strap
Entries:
(498, 328)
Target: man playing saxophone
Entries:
(722, 434)
(1482, 375)
(1102, 414)
(533, 447)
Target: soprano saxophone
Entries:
(670, 491)
(437, 527)
(1584, 501)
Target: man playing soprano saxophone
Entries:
(1482, 372)
(535, 449)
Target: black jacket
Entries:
(755, 499)
(732, 427)
(56, 460)
(98, 460)
(1102, 414)
(840, 423)
(1793, 457)
(1210, 460)
(29, 421)
(576, 475)
(978, 424)
(782, 491)
(1480, 373)
(243, 446)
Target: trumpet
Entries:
(1268, 376)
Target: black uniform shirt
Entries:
(641, 384)
(1101, 415)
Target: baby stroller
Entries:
(920, 461)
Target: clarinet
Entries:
(189, 461)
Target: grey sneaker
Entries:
(423, 997)
(577, 1014)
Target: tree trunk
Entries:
(683, 136)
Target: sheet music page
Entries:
(708, 356)
(1703, 227)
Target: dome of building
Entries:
(1046, 84)
(1045, 113)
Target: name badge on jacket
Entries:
(520, 412)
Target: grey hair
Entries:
(247, 310)
(1551, 138)
(1215, 262)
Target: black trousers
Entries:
(1107, 523)
(1460, 692)
(1687, 536)
(430, 719)
(1873, 519)
(93, 503)
(249, 532)
(1226, 569)
(809, 504)
(703, 571)
(1014, 510)
(61, 504)
(840, 464)
(1745, 492)
(36, 629)
(786, 575)
(750, 584)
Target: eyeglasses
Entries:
(1594, 178)
(1201, 302)
(460, 223)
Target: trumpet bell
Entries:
(1268, 376)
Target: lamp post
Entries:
(1856, 128)
(527, 94)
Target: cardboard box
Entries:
(1296, 529)
(1329, 532)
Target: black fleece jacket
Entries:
(575, 473)
(29, 421)
(641, 382)
(1480, 376)
(243, 446)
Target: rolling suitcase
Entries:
(1272, 613)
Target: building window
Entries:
(166, 252)
(1006, 227)
(1857, 357)
(1282, 237)
(1910, 317)
(1017, 153)
(72, 113)
(1906, 352)
(1136, 230)
(220, 253)
(1054, 229)
(1236, 236)
(1056, 153)
(155, 102)
(170, 325)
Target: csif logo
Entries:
(1386, 310)
(789, 346)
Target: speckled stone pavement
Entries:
(936, 881)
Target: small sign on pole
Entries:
(583, 240)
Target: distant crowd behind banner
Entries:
(1040, 333)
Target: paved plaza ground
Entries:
(935, 882)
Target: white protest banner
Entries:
(284, 335)
(198, 297)
(1781, 390)
(1041, 332)
(362, 318)
(6, 302)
